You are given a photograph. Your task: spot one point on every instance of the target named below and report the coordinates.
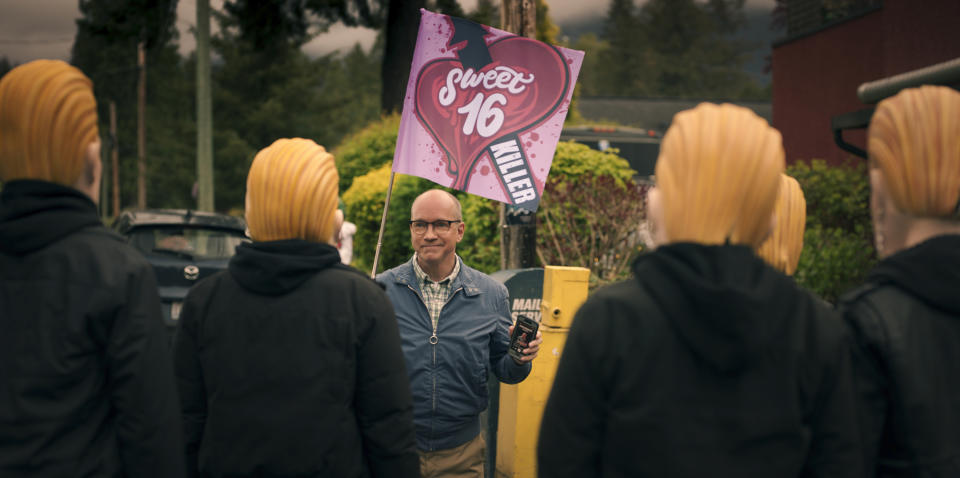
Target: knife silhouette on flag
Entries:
(475, 54)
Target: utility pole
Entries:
(204, 111)
(518, 227)
(142, 126)
(114, 158)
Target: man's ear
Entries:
(655, 219)
(461, 228)
(89, 180)
(337, 225)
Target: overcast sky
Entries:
(31, 29)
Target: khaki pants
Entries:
(464, 461)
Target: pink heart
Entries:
(521, 110)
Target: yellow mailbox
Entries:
(521, 405)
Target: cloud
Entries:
(37, 29)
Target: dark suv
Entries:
(183, 246)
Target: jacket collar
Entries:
(467, 278)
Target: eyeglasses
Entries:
(440, 226)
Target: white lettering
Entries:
(508, 178)
(508, 166)
(504, 148)
(523, 183)
(499, 78)
(524, 195)
(448, 93)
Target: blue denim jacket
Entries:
(449, 379)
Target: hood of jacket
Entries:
(34, 214)
(724, 302)
(278, 267)
(929, 270)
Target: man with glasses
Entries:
(455, 326)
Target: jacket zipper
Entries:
(434, 340)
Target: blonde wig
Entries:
(48, 118)
(782, 249)
(718, 174)
(914, 139)
(292, 192)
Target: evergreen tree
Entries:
(547, 31)
(624, 59)
(105, 49)
(486, 13)
(671, 48)
(266, 88)
(447, 7)
(5, 65)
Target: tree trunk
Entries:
(518, 227)
(403, 20)
(520, 17)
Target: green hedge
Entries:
(838, 248)
(366, 150)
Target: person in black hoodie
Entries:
(289, 362)
(709, 362)
(906, 318)
(86, 383)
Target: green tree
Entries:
(266, 88)
(6, 65)
(486, 13)
(678, 48)
(446, 7)
(622, 60)
(547, 31)
(592, 80)
(105, 48)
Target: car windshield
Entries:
(188, 242)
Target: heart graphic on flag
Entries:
(467, 109)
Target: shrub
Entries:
(838, 246)
(591, 222)
(366, 150)
(481, 241)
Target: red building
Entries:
(834, 46)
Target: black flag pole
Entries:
(383, 222)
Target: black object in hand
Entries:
(524, 331)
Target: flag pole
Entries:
(383, 222)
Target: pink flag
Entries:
(484, 109)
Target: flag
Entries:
(484, 109)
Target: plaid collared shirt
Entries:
(435, 294)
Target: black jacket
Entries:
(707, 363)
(906, 325)
(289, 364)
(86, 383)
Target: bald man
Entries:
(455, 325)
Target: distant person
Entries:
(455, 323)
(906, 318)
(345, 237)
(708, 362)
(86, 383)
(289, 363)
(783, 247)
